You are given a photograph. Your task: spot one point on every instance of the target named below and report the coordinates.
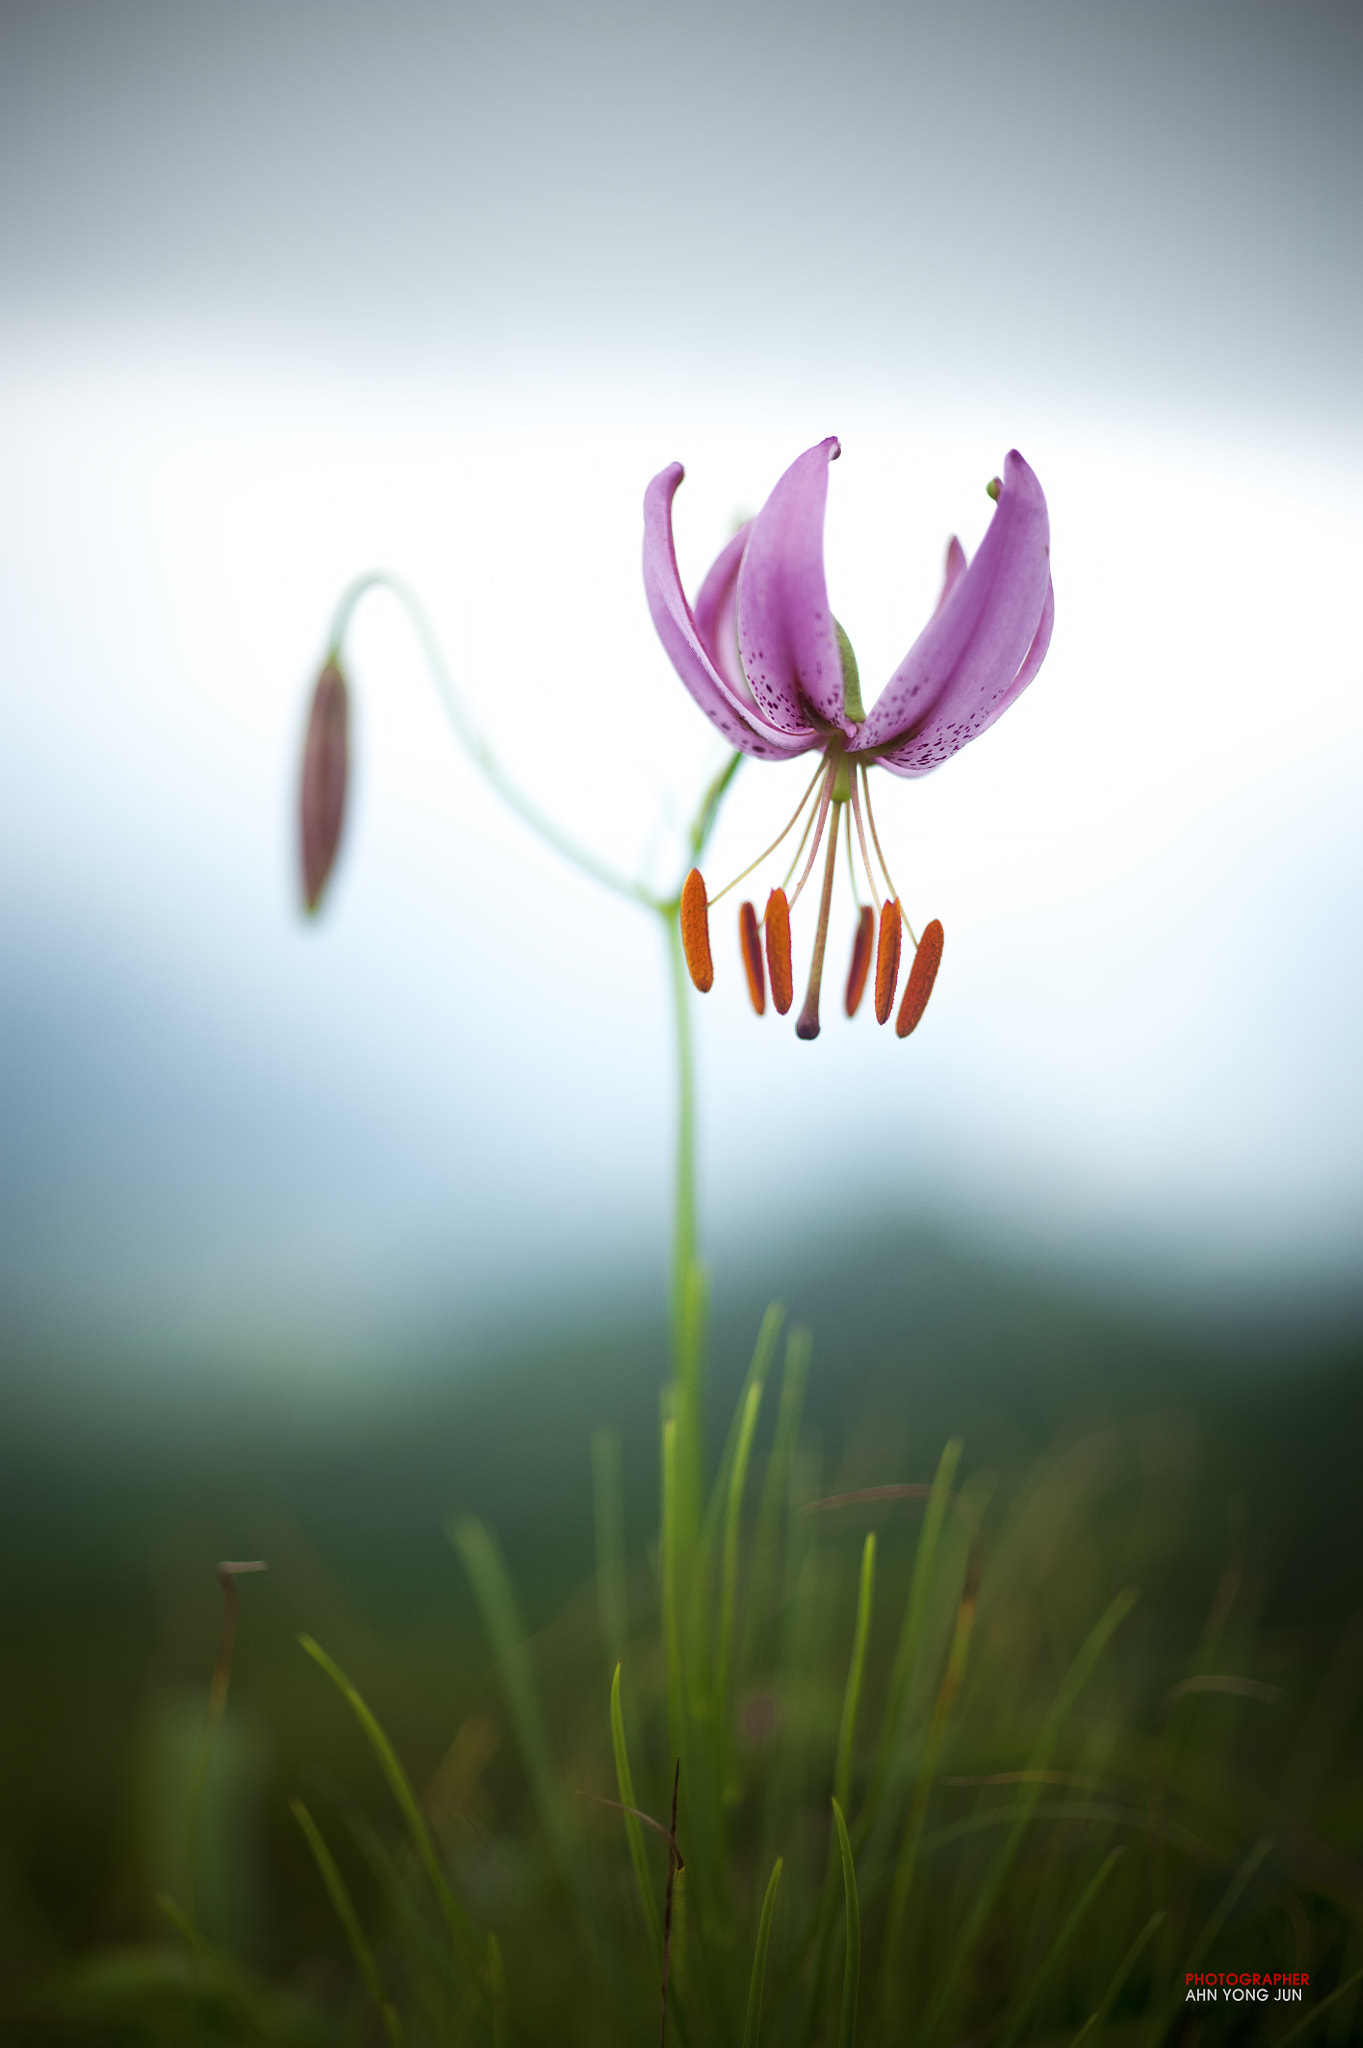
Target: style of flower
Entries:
(773, 671)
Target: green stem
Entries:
(469, 737)
(487, 764)
(684, 1188)
(685, 1319)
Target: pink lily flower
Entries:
(771, 668)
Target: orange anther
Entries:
(777, 922)
(887, 959)
(861, 959)
(922, 975)
(751, 944)
(695, 932)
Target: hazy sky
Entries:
(289, 289)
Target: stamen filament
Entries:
(851, 864)
(824, 802)
(875, 836)
(785, 880)
(861, 835)
(775, 842)
(808, 1023)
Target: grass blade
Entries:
(947, 1695)
(1222, 1911)
(759, 1368)
(1124, 1969)
(492, 1587)
(701, 1649)
(433, 1979)
(608, 1501)
(822, 1925)
(1057, 1949)
(728, 1599)
(1044, 1748)
(1316, 2011)
(496, 1979)
(775, 1492)
(752, 2025)
(670, 1900)
(349, 1919)
(634, 1834)
(1228, 1901)
(230, 1983)
(689, 1395)
(910, 1634)
(678, 1977)
(456, 1919)
(842, 1773)
(851, 1980)
(671, 1562)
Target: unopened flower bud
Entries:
(326, 751)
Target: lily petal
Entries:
(786, 636)
(741, 724)
(907, 760)
(968, 657)
(1036, 654)
(716, 614)
(955, 569)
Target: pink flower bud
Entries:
(322, 795)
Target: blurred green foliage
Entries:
(1058, 1797)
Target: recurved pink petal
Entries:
(955, 569)
(741, 724)
(786, 637)
(950, 684)
(716, 614)
(1036, 654)
(909, 760)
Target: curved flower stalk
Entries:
(774, 672)
(321, 819)
(325, 776)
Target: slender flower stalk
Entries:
(807, 1024)
(323, 795)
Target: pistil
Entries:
(808, 1023)
(820, 819)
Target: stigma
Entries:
(833, 815)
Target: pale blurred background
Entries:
(290, 291)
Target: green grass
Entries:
(976, 1745)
